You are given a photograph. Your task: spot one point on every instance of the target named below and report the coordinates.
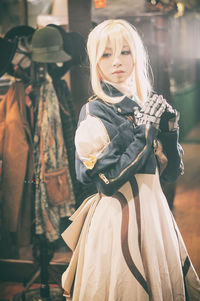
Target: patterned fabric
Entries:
(47, 217)
(69, 125)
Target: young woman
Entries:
(125, 241)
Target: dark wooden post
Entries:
(24, 12)
(80, 21)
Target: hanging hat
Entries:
(47, 46)
(7, 52)
(74, 45)
(19, 31)
(21, 62)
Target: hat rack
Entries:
(42, 250)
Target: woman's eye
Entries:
(106, 54)
(125, 52)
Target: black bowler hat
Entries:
(22, 36)
(19, 31)
(74, 45)
(7, 50)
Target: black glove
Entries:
(151, 111)
(169, 119)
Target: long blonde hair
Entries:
(116, 31)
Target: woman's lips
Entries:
(118, 72)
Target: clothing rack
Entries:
(43, 250)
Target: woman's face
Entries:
(116, 69)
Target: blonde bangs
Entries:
(116, 35)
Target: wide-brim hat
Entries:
(7, 53)
(47, 46)
(74, 45)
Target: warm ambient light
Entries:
(100, 3)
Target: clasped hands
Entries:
(158, 112)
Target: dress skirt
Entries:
(129, 249)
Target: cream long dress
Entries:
(126, 247)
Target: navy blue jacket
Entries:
(130, 150)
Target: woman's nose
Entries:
(116, 62)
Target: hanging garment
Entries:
(50, 157)
(17, 163)
(69, 125)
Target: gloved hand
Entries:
(169, 119)
(151, 111)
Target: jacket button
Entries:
(119, 110)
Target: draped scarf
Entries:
(49, 127)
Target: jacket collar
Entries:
(126, 105)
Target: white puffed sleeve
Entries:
(91, 138)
